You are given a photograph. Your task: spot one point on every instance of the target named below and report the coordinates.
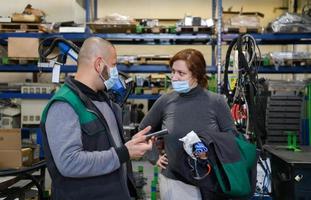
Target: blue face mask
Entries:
(181, 86)
(113, 77)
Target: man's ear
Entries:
(98, 65)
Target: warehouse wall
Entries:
(71, 10)
(56, 10)
(178, 8)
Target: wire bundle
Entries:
(244, 92)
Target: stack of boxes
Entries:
(12, 153)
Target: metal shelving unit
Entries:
(219, 44)
(143, 68)
(35, 68)
(73, 68)
(274, 38)
(145, 96)
(262, 39)
(122, 38)
(12, 95)
(152, 69)
(116, 38)
(215, 41)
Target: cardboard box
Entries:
(36, 154)
(11, 153)
(26, 157)
(19, 17)
(10, 139)
(23, 47)
(14, 159)
(10, 159)
(240, 19)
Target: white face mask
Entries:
(113, 77)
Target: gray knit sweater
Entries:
(199, 110)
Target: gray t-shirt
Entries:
(199, 110)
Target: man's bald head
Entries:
(93, 48)
(96, 57)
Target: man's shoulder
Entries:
(60, 109)
(63, 91)
(60, 105)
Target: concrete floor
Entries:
(148, 174)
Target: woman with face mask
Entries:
(189, 107)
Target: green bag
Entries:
(236, 161)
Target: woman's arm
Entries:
(223, 114)
(154, 119)
(154, 116)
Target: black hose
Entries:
(227, 62)
(129, 88)
(44, 52)
(247, 79)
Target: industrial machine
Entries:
(291, 172)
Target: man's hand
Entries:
(162, 161)
(138, 145)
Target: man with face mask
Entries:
(82, 132)
(113, 77)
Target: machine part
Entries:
(291, 22)
(291, 173)
(306, 10)
(199, 168)
(245, 90)
(121, 90)
(298, 177)
(36, 88)
(118, 93)
(10, 116)
(292, 141)
(289, 58)
(284, 109)
(239, 114)
(66, 48)
(263, 184)
(149, 22)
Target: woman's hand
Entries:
(162, 161)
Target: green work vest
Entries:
(95, 137)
